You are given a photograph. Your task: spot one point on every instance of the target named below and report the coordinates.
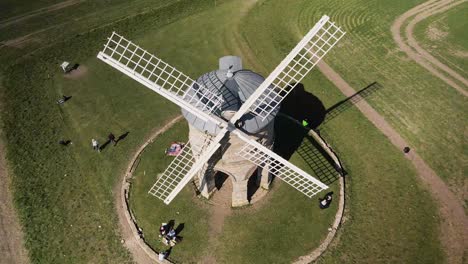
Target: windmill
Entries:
(221, 124)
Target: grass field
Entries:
(443, 35)
(65, 194)
(390, 218)
(368, 54)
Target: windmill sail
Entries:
(279, 167)
(297, 64)
(160, 77)
(183, 168)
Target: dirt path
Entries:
(416, 52)
(37, 12)
(12, 250)
(140, 251)
(219, 210)
(454, 224)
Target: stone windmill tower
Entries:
(230, 112)
(235, 85)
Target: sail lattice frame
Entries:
(184, 167)
(281, 168)
(299, 62)
(174, 173)
(159, 76)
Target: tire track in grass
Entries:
(419, 55)
(454, 224)
(414, 44)
(37, 12)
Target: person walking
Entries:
(111, 138)
(95, 144)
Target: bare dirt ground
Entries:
(12, 250)
(77, 73)
(220, 209)
(411, 47)
(454, 224)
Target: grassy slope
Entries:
(382, 185)
(12, 8)
(65, 194)
(47, 29)
(84, 15)
(451, 49)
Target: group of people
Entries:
(168, 234)
(98, 148)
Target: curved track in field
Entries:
(411, 47)
(140, 251)
(454, 224)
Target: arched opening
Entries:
(220, 178)
(252, 185)
(222, 195)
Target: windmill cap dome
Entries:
(235, 90)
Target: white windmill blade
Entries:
(183, 168)
(160, 77)
(279, 167)
(297, 64)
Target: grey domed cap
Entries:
(235, 85)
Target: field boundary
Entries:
(131, 235)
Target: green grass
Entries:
(84, 15)
(381, 181)
(267, 230)
(451, 47)
(64, 194)
(390, 217)
(12, 8)
(384, 179)
(423, 109)
(185, 209)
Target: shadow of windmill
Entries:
(349, 102)
(292, 137)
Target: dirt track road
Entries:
(454, 225)
(12, 250)
(411, 47)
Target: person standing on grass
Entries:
(95, 144)
(326, 201)
(111, 138)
